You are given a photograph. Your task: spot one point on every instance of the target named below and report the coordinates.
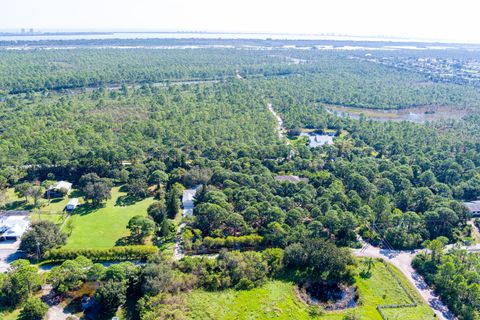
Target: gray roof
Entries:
(473, 206)
(13, 226)
(290, 178)
(61, 185)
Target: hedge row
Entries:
(253, 240)
(115, 253)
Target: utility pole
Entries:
(38, 251)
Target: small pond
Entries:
(330, 296)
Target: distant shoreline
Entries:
(125, 35)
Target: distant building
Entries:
(291, 178)
(60, 189)
(72, 204)
(473, 207)
(13, 224)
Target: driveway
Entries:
(188, 205)
(8, 253)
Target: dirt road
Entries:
(280, 128)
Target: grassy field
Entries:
(277, 300)
(9, 315)
(102, 227)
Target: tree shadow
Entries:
(87, 208)
(18, 205)
(127, 241)
(365, 274)
(74, 305)
(126, 200)
(75, 194)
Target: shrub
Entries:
(115, 253)
(34, 309)
(250, 241)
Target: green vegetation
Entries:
(103, 227)
(454, 276)
(131, 149)
(275, 299)
(278, 299)
(10, 315)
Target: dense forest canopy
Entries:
(130, 118)
(333, 77)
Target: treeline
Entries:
(321, 76)
(39, 70)
(133, 252)
(455, 277)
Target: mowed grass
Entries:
(278, 300)
(102, 227)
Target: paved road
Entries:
(8, 253)
(188, 205)
(403, 261)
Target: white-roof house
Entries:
(62, 185)
(473, 207)
(72, 204)
(13, 227)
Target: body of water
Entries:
(189, 35)
(412, 114)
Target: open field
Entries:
(102, 227)
(277, 299)
(93, 227)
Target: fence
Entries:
(407, 291)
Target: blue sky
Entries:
(441, 19)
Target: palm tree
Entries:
(369, 262)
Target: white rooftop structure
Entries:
(72, 204)
(13, 226)
(187, 200)
(62, 185)
(473, 207)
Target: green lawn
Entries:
(9, 315)
(52, 211)
(102, 227)
(277, 300)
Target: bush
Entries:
(250, 241)
(34, 309)
(115, 253)
(110, 296)
(41, 237)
